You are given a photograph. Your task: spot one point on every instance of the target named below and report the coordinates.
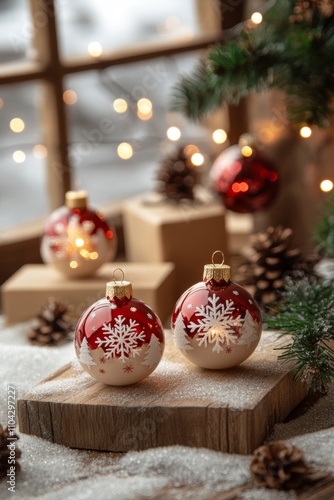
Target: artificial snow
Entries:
(51, 472)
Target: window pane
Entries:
(22, 187)
(15, 30)
(98, 131)
(122, 23)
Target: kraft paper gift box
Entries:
(29, 288)
(185, 235)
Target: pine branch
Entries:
(324, 230)
(306, 314)
(198, 94)
(295, 57)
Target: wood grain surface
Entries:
(227, 410)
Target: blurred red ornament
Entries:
(245, 179)
(76, 239)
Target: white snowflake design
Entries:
(122, 339)
(235, 292)
(216, 324)
(133, 309)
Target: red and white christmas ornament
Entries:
(76, 239)
(119, 340)
(216, 323)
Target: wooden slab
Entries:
(228, 410)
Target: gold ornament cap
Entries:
(217, 271)
(119, 289)
(76, 199)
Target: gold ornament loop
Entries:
(213, 258)
(118, 288)
(113, 275)
(217, 270)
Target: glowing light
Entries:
(190, 150)
(144, 116)
(125, 150)
(70, 97)
(197, 159)
(326, 185)
(109, 234)
(19, 156)
(17, 125)
(95, 49)
(40, 151)
(73, 264)
(79, 242)
(84, 253)
(1, 103)
(93, 255)
(236, 187)
(246, 151)
(173, 133)
(120, 105)
(244, 187)
(266, 135)
(144, 106)
(257, 18)
(219, 136)
(305, 132)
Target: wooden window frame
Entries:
(20, 244)
(50, 70)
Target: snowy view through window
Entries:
(97, 165)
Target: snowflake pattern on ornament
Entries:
(128, 369)
(101, 370)
(122, 339)
(216, 324)
(102, 360)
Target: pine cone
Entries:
(6, 453)
(276, 465)
(53, 327)
(271, 258)
(177, 177)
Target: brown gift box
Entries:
(29, 288)
(185, 235)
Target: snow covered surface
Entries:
(50, 471)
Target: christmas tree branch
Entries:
(290, 52)
(324, 229)
(306, 314)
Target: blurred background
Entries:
(84, 104)
(88, 30)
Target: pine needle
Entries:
(306, 315)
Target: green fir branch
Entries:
(324, 229)
(296, 58)
(306, 315)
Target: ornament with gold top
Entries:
(119, 340)
(216, 323)
(76, 239)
